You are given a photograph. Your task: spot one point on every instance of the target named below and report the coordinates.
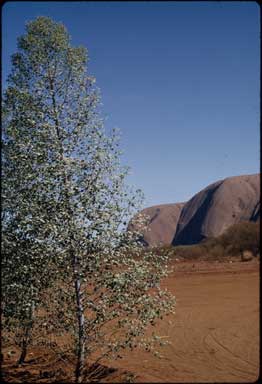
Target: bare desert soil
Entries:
(214, 335)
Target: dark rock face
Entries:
(256, 213)
(162, 221)
(211, 211)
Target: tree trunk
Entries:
(22, 357)
(79, 302)
(26, 337)
(81, 344)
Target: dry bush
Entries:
(246, 256)
(240, 237)
(243, 236)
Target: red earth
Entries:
(214, 335)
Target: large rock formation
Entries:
(208, 214)
(162, 221)
(220, 205)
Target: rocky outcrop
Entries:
(211, 211)
(207, 214)
(161, 223)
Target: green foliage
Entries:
(65, 205)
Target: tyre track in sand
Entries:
(225, 359)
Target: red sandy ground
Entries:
(214, 336)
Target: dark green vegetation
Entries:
(240, 237)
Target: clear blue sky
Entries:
(180, 79)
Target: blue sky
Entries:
(180, 79)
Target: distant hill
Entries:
(214, 209)
(162, 221)
(207, 214)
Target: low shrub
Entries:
(240, 237)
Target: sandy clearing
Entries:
(215, 335)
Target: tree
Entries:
(27, 239)
(65, 194)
